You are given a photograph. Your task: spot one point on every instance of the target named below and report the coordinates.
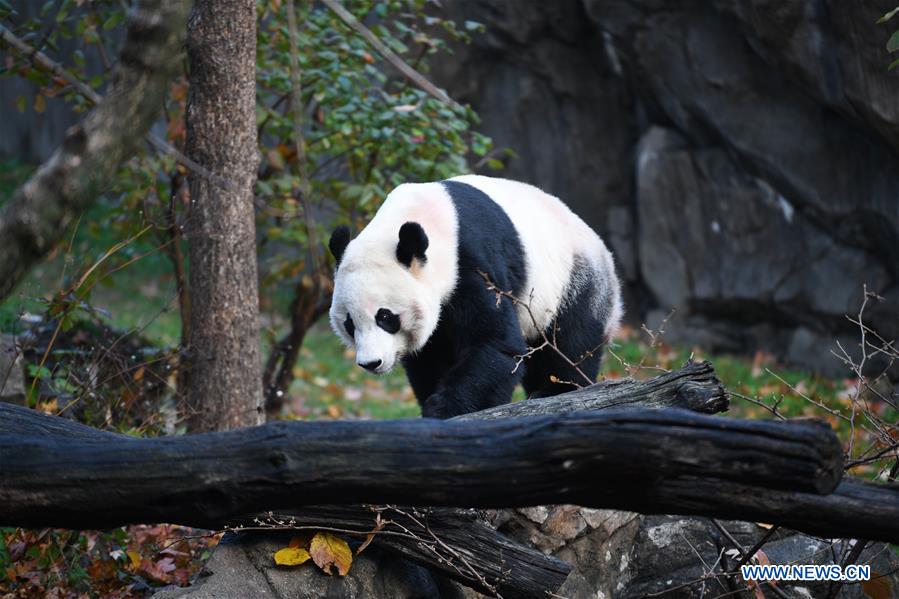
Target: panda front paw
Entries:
(434, 407)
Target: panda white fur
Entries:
(408, 289)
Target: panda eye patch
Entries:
(349, 326)
(388, 321)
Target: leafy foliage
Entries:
(366, 133)
(123, 562)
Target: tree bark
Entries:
(36, 217)
(694, 387)
(223, 351)
(582, 458)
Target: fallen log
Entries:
(693, 387)
(493, 563)
(568, 458)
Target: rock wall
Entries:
(740, 156)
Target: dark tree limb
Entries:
(694, 387)
(578, 458)
(854, 510)
(33, 220)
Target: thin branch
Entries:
(748, 555)
(296, 106)
(547, 342)
(391, 56)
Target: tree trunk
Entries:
(223, 352)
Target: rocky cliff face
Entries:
(740, 156)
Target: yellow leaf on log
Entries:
(330, 551)
(291, 556)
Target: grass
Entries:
(330, 385)
(140, 296)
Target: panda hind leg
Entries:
(547, 374)
(579, 335)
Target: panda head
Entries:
(384, 304)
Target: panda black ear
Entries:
(412, 244)
(340, 238)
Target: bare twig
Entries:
(758, 402)
(748, 555)
(547, 342)
(656, 336)
(299, 138)
(453, 552)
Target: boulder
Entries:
(725, 248)
(622, 555)
(242, 565)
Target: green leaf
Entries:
(36, 371)
(893, 43)
(893, 65)
(888, 16)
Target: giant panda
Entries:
(412, 287)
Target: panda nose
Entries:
(370, 366)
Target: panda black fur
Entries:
(409, 288)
